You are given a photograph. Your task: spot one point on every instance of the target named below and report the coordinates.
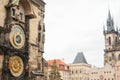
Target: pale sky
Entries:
(74, 26)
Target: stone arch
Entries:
(28, 8)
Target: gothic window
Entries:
(39, 32)
(112, 55)
(109, 40)
(116, 39)
(39, 36)
(13, 12)
(21, 16)
(119, 57)
(43, 27)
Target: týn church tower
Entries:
(112, 46)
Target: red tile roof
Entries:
(60, 63)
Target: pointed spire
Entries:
(117, 28)
(79, 58)
(103, 28)
(109, 14)
(110, 23)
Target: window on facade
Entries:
(72, 72)
(39, 32)
(116, 39)
(21, 16)
(13, 12)
(112, 55)
(39, 37)
(80, 71)
(109, 71)
(110, 59)
(109, 40)
(119, 57)
(43, 27)
(76, 72)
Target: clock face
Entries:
(16, 66)
(17, 37)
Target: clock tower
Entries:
(15, 40)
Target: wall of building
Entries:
(3, 11)
(79, 71)
(103, 73)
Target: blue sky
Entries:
(74, 26)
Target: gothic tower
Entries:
(112, 49)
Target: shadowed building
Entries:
(22, 37)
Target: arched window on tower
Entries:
(119, 57)
(39, 32)
(109, 40)
(116, 39)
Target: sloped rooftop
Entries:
(79, 58)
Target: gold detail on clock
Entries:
(16, 66)
(17, 37)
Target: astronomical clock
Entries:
(14, 40)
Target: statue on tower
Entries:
(14, 2)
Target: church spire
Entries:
(110, 23)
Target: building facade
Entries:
(79, 68)
(22, 36)
(63, 69)
(104, 73)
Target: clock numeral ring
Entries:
(17, 37)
